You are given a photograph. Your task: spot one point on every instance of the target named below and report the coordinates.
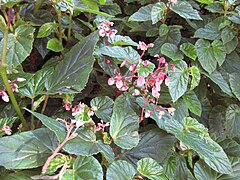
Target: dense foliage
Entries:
(120, 89)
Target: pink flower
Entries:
(90, 112)
(111, 81)
(145, 63)
(173, 67)
(104, 29)
(14, 86)
(136, 92)
(4, 96)
(78, 109)
(67, 105)
(160, 114)
(147, 114)
(124, 88)
(6, 129)
(119, 83)
(171, 111)
(167, 81)
(101, 126)
(155, 92)
(143, 46)
(141, 81)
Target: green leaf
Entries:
(231, 147)
(219, 51)
(24, 150)
(127, 53)
(218, 79)
(231, 45)
(119, 40)
(158, 12)
(167, 34)
(171, 51)
(189, 50)
(185, 10)
(210, 31)
(195, 136)
(19, 175)
(178, 80)
(73, 71)
(104, 107)
(202, 171)
(3, 24)
(196, 76)
(124, 124)
(143, 14)
(143, 70)
(57, 127)
(234, 80)
(210, 54)
(35, 85)
(84, 168)
(19, 46)
(46, 29)
(192, 102)
(120, 170)
(149, 168)
(216, 121)
(55, 45)
(205, 1)
(149, 140)
(87, 6)
(228, 33)
(232, 120)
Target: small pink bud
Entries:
(162, 60)
(155, 93)
(147, 114)
(142, 46)
(141, 81)
(6, 129)
(4, 96)
(20, 79)
(145, 63)
(173, 67)
(107, 61)
(167, 81)
(123, 63)
(111, 81)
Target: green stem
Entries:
(60, 28)
(6, 83)
(70, 26)
(32, 116)
(45, 104)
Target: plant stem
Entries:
(68, 137)
(70, 25)
(45, 104)
(6, 83)
(6, 17)
(32, 117)
(59, 15)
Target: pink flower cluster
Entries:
(13, 86)
(79, 109)
(145, 85)
(105, 30)
(150, 83)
